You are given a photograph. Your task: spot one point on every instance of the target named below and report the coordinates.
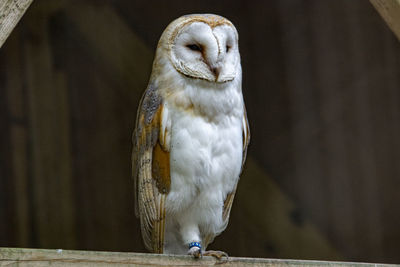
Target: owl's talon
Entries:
(195, 252)
(216, 254)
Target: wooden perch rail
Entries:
(58, 257)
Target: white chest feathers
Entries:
(205, 158)
(205, 155)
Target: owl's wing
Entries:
(246, 139)
(150, 169)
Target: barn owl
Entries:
(191, 137)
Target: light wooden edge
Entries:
(11, 12)
(59, 257)
(390, 12)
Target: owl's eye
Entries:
(194, 47)
(228, 48)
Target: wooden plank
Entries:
(110, 38)
(390, 12)
(59, 257)
(278, 224)
(19, 136)
(102, 68)
(49, 131)
(11, 12)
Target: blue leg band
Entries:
(195, 244)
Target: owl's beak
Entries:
(216, 71)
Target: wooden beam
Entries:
(11, 12)
(110, 37)
(59, 257)
(390, 12)
(19, 135)
(273, 224)
(48, 115)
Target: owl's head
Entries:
(202, 47)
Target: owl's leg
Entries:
(195, 250)
(194, 243)
(191, 236)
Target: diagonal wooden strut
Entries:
(11, 12)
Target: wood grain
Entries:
(59, 257)
(49, 125)
(11, 12)
(19, 136)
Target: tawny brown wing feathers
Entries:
(160, 169)
(150, 168)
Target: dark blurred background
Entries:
(321, 83)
